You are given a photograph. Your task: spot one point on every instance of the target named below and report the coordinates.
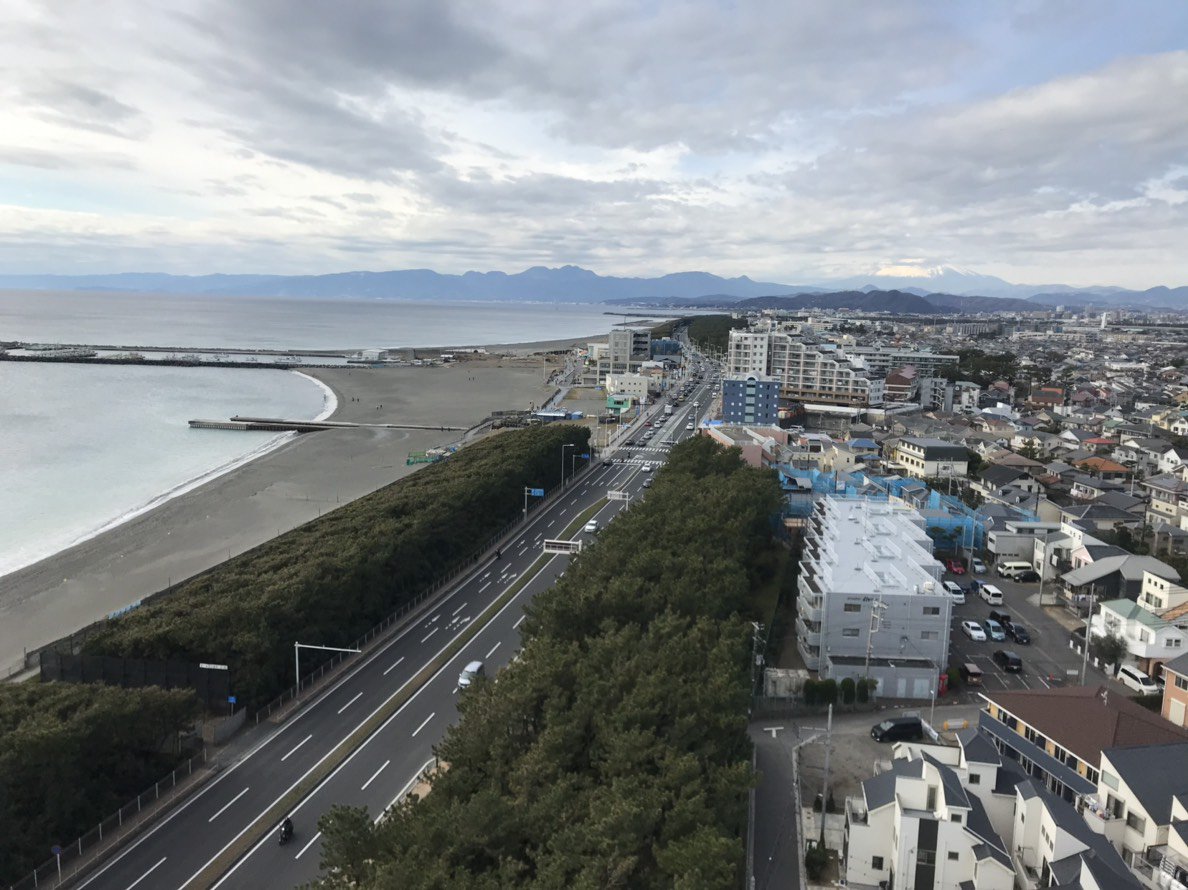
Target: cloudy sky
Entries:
(787, 140)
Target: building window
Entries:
(929, 635)
(975, 779)
(954, 855)
(926, 857)
(1138, 823)
(931, 804)
(849, 631)
(1108, 779)
(876, 862)
(852, 607)
(932, 610)
(955, 817)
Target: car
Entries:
(1003, 618)
(1018, 633)
(608, 462)
(647, 483)
(954, 590)
(630, 443)
(898, 729)
(669, 441)
(591, 526)
(955, 566)
(1028, 577)
(1008, 660)
(990, 594)
(974, 631)
(994, 630)
(979, 567)
(689, 427)
(647, 468)
(1137, 680)
(470, 673)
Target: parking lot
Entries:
(1047, 660)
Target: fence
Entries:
(112, 830)
(69, 860)
(210, 685)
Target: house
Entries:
(928, 458)
(1103, 467)
(1113, 577)
(1099, 516)
(1175, 691)
(1169, 498)
(1150, 639)
(1045, 397)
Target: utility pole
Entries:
(825, 783)
(1085, 655)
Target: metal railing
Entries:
(72, 857)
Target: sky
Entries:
(787, 140)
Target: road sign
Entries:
(212, 667)
(536, 492)
(585, 456)
(232, 700)
(618, 496)
(56, 850)
(560, 545)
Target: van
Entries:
(990, 594)
(953, 589)
(898, 729)
(1011, 569)
(470, 673)
(1137, 680)
(971, 674)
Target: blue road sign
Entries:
(536, 492)
(585, 456)
(231, 699)
(55, 850)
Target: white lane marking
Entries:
(431, 633)
(422, 726)
(351, 702)
(485, 586)
(517, 624)
(395, 665)
(574, 501)
(227, 804)
(459, 609)
(493, 648)
(559, 513)
(435, 617)
(455, 692)
(265, 839)
(551, 522)
(307, 846)
(373, 775)
(147, 873)
(407, 788)
(295, 747)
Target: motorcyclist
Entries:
(498, 553)
(286, 829)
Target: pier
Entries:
(278, 425)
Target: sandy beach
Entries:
(307, 476)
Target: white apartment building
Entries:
(624, 352)
(871, 601)
(634, 385)
(806, 372)
(932, 458)
(882, 360)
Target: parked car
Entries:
(1008, 661)
(898, 729)
(994, 630)
(1137, 680)
(1018, 633)
(991, 594)
(974, 631)
(978, 567)
(1028, 577)
(955, 566)
(971, 674)
(1003, 618)
(954, 590)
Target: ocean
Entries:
(83, 448)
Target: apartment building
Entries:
(882, 360)
(806, 372)
(754, 399)
(871, 602)
(932, 458)
(960, 396)
(624, 352)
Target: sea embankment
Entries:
(297, 480)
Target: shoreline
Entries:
(285, 482)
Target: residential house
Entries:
(1175, 691)
(1150, 639)
(1103, 467)
(1169, 499)
(927, 458)
(1113, 577)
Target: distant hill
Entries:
(946, 288)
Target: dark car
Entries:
(1018, 633)
(1008, 661)
(898, 729)
(1028, 577)
(1003, 618)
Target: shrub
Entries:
(810, 691)
(848, 691)
(828, 692)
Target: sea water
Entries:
(84, 447)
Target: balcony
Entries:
(1169, 870)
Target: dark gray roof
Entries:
(1179, 664)
(978, 824)
(1155, 773)
(999, 476)
(955, 795)
(1181, 828)
(878, 791)
(977, 748)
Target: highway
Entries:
(185, 848)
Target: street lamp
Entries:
(563, 447)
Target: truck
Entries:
(668, 410)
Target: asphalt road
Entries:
(178, 851)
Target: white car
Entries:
(974, 631)
(591, 526)
(689, 427)
(979, 567)
(647, 468)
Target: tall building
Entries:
(806, 372)
(871, 601)
(882, 360)
(753, 399)
(624, 352)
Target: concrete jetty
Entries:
(279, 425)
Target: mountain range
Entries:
(942, 288)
